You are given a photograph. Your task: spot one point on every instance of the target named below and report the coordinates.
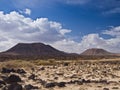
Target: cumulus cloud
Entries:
(114, 31)
(90, 41)
(15, 28)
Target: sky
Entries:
(68, 25)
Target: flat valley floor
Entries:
(60, 75)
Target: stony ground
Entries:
(80, 75)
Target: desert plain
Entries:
(103, 74)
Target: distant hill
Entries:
(35, 51)
(96, 52)
(30, 51)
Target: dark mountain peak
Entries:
(96, 51)
(34, 49)
(30, 44)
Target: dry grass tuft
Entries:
(45, 62)
(17, 64)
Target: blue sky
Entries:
(80, 20)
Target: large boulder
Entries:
(14, 86)
(13, 79)
(7, 70)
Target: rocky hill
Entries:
(96, 52)
(35, 51)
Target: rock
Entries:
(42, 82)
(4, 77)
(60, 73)
(66, 64)
(103, 81)
(115, 87)
(30, 87)
(50, 85)
(15, 86)
(20, 71)
(2, 82)
(13, 78)
(42, 68)
(55, 78)
(32, 76)
(61, 84)
(105, 88)
(6, 70)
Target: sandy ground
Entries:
(86, 75)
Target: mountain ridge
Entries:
(43, 51)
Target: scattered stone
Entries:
(66, 64)
(32, 76)
(13, 79)
(50, 85)
(15, 86)
(115, 87)
(20, 71)
(105, 88)
(2, 82)
(42, 68)
(61, 84)
(6, 70)
(43, 82)
(55, 78)
(30, 87)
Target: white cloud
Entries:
(112, 11)
(89, 41)
(114, 31)
(64, 31)
(15, 28)
(25, 11)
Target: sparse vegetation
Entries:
(16, 64)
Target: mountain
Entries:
(96, 52)
(34, 49)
